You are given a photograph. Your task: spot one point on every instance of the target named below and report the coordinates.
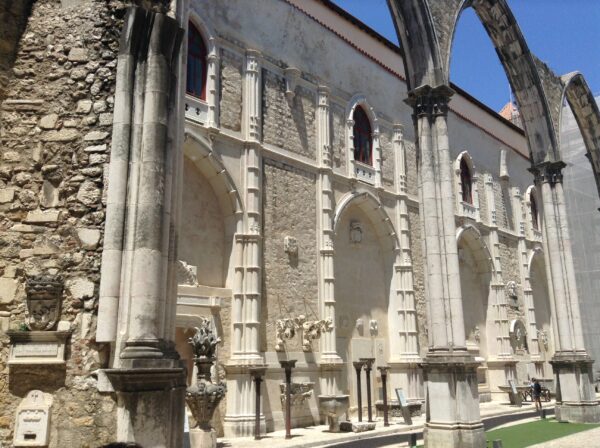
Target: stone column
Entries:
(450, 372)
(212, 89)
(325, 235)
(572, 365)
(148, 378)
(239, 421)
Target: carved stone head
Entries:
(44, 298)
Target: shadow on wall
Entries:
(13, 19)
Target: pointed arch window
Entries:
(363, 137)
(466, 182)
(196, 64)
(534, 211)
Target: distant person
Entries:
(537, 394)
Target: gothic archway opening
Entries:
(475, 281)
(540, 368)
(363, 269)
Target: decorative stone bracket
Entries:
(291, 78)
(311, 330)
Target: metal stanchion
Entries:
(358, 365)
(383, 370)
(288, 366)
(368, 366)
(257, 374)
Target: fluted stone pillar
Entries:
(575, 398)
(137, 300)
(246, 352)
(453, 418)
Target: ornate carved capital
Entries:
(548, 172)
(427, 101)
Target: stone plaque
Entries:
(37, 347)
(33, 420)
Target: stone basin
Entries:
(334, 406)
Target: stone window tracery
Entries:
(196, 64)
(363, 137)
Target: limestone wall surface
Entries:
(289, 282)
(55, 127)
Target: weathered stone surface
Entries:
(84, 106)
(49, 195)
(88, 193)
(80, 288)
(95, 136)
(8, 290)
(95, 148)
(231, 90)
(88, 238)
(78, 55)
(63, 135)
(42, 216)
(7, 195)
(356, 426)
(48, 121)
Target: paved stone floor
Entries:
(318, 436)
(587, 439)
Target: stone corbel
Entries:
(291, 78)
(312, 329)
(284, 329)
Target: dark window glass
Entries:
(466, 182)
(196, 64)
(363, 139)
(534, 212)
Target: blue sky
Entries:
(563, 33)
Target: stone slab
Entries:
(356, 426)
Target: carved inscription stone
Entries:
(37, 347)
(33, 420)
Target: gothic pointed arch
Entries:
(432, 44)
(373, 208)
(587, 114)
(199, 150)
(470, 236)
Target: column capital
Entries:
(548, 172)
(430, 101)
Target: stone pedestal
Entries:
(150, 404)
(333, 407)
(203, 438)
(575, 398)
(453, 418)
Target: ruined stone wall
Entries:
(410, 159)
(55, 126)
(231, 90)
(288, 124)
(289, 283)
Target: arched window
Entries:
(466, 183)
(196, 64)
(363, 137)
(534, 211)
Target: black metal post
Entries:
(257, 374)
(358, 365)
(288, 366)
(368, 366)
(383, 370)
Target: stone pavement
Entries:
(588, 439)
(319, 436)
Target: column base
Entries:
(452, 401)
(242, 426)
(575, 397)
(454, 436)
(151, 404)
(203, 438)
(582, 412)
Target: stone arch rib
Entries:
(373, 208)
(426, 29)
(587, 114)
(474, 241)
